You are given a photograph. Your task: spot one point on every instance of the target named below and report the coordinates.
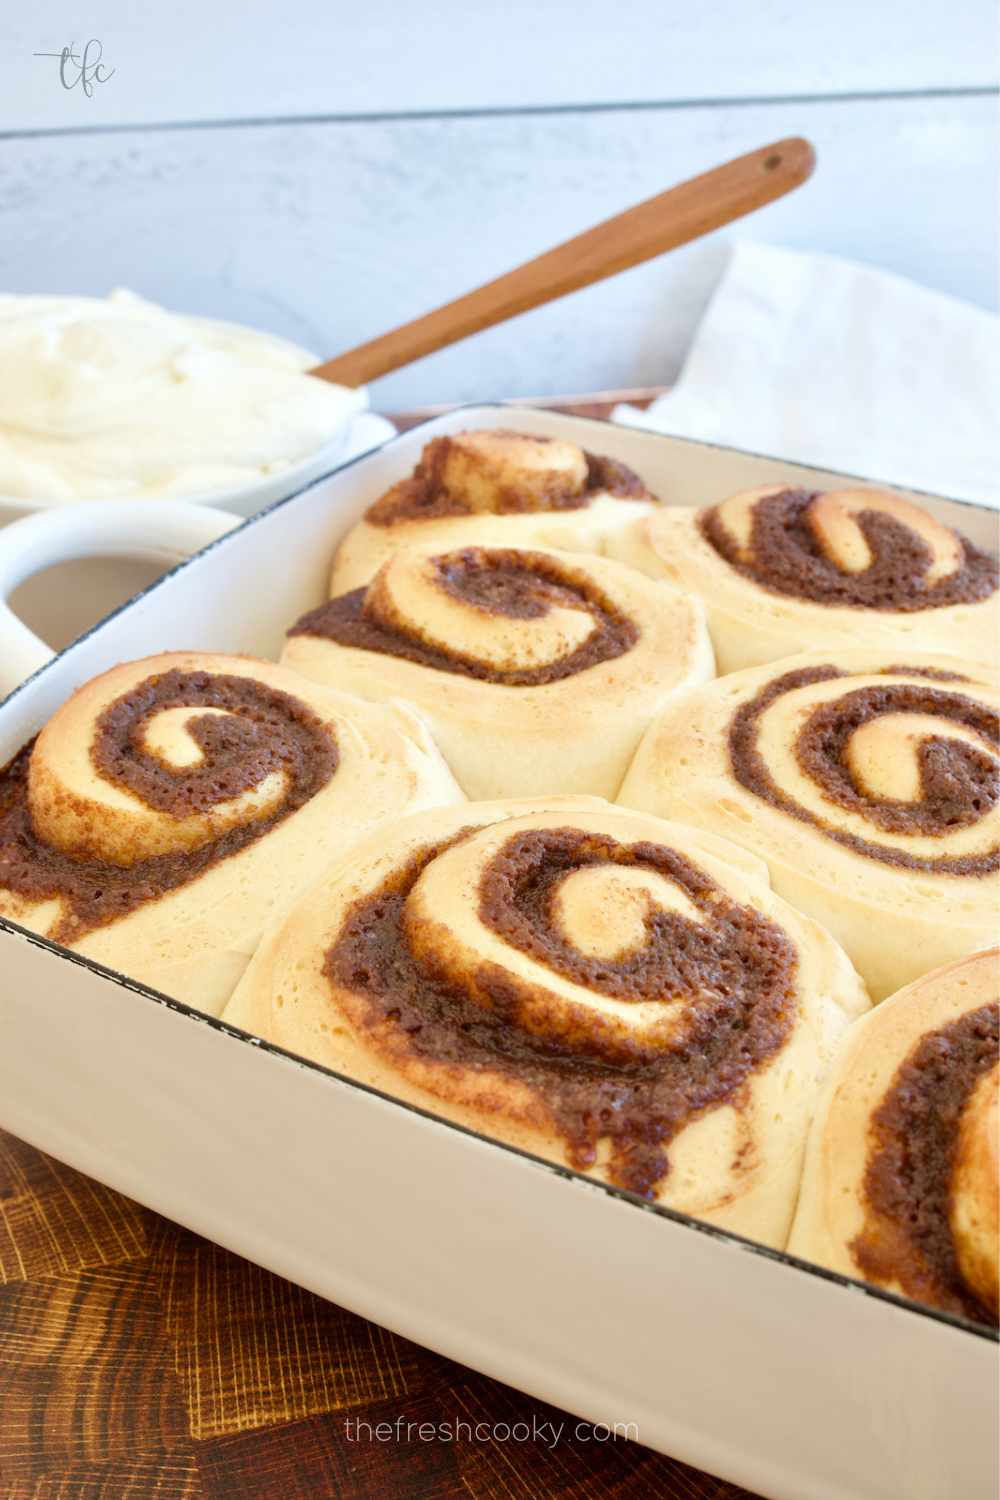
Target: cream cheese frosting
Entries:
(115, 397)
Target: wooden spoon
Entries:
(672, 218)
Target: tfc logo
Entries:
(88, 67)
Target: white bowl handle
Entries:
(162, 531)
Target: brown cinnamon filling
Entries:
(734, 973)
(424, 498)
(501, 582)
(787, 558)
(959, 782)
(269, 730)
(906, 1237)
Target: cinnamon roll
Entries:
(495, 489)
(785, 570)
(900, 1186)
(537, 671)
(173, 805)
(605, 990)
(868, 782)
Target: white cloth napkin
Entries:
(824, 362)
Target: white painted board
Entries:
(333, 233)
(247, 59)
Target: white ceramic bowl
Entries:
(35, 535)
(358, 433)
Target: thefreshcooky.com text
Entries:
(549, 1433)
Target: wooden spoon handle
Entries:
(672, 218)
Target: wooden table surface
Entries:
(599, 404)
(138, 1361)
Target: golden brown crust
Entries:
(605, 990)
(783, 571)
(866, 780)
(581, 651)
(495, 488)
(900, 1184)
(502, 472)
(172, 805)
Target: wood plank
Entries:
(173, 1477)
(251, 60)
(87, 1373)
(252, 1350)
(332, 234)
(53, 1221)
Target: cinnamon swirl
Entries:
(900, 1186)
(604, 990)
(173, 805)
(868, 783)
(495, 488)
(785, 570)
(537, 671)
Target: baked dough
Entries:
(867, 781)
(604, 990)
(783, 571)
(495, 489)
(900, 1185)
(173, 805)
(537, 671)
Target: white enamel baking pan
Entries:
(796, 1383)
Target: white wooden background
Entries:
(327, 171)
